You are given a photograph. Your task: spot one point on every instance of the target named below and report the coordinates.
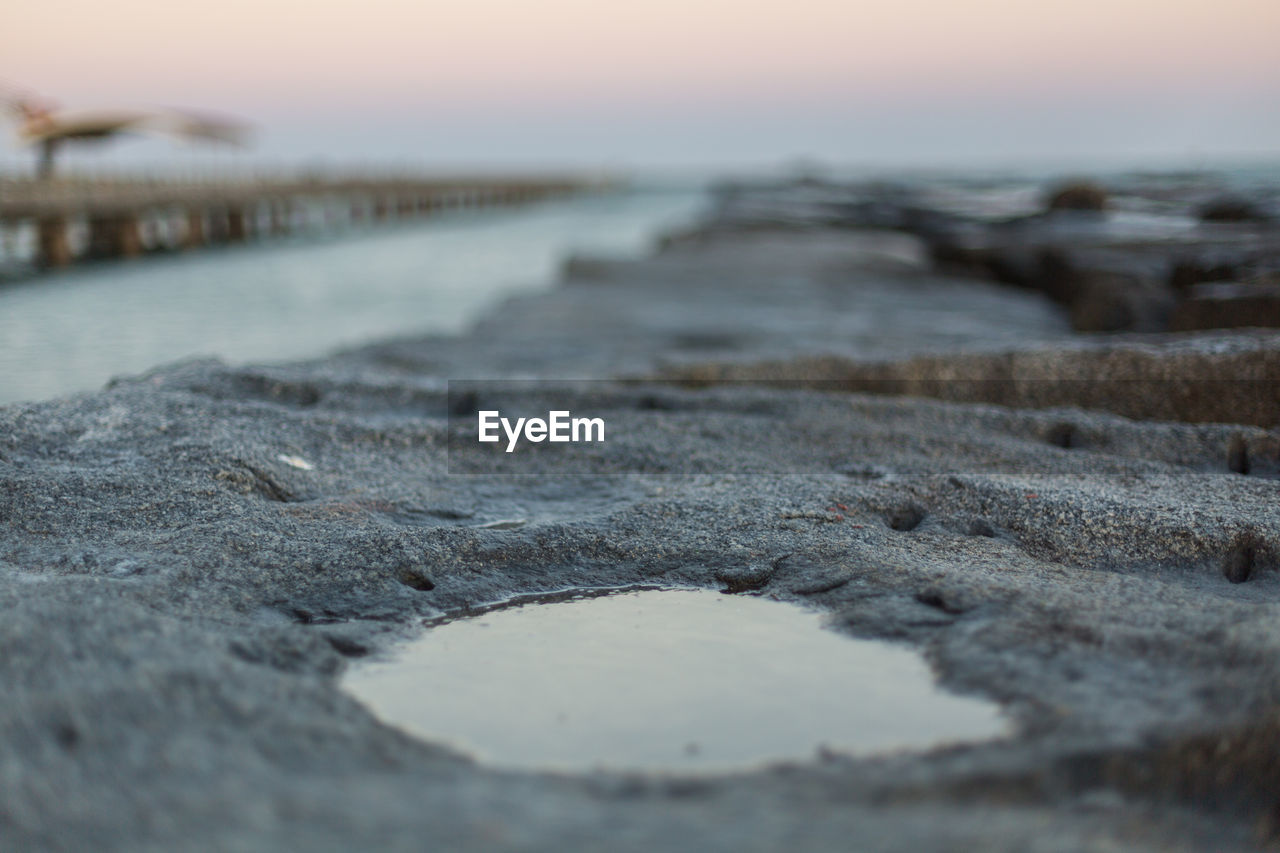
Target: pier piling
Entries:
(53, 242)
(195, 214)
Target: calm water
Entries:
(672, 681)
(304, 297)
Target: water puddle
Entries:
(688, 681)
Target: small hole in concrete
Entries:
(938, 600)
(1239, 563)
(464, 404)
(905, 517)
(685, 681)
(1062, 435)
(652, 402)
(67, 735)
(415, 579)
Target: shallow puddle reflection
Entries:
(671, 680)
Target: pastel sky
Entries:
(678, 81)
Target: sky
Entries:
(673, 82)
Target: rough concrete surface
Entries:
(192, 557)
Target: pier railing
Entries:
(77, 219)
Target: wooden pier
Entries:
(81, 219)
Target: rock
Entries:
(1232, 209)
(1111, 302)
(1228, 305)
(1194, 379)
(191, 558)
(1077, 195)
(1188, 272)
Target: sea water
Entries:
(306, 296)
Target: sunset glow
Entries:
(285, 63)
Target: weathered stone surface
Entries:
(1116, 260)
(1110, 302)
(178, 602)
(1195, 379)
(1228, 306)
(190, 558)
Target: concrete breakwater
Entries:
(94, 219)
(191, 559)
